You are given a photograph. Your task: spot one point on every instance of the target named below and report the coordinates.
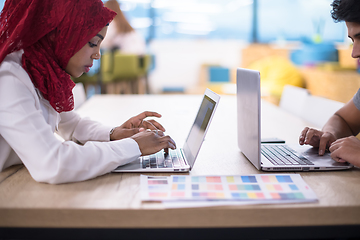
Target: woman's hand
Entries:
(137, 124)
(316, 138)
(151, 142)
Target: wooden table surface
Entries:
(113, 200)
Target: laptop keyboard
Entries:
(161, 160)
(283, 155)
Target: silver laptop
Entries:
(183, 159)
(271, 157)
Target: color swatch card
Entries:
(265, 188)
(154, 188)
(242, 188)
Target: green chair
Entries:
(106, 67)
(89, 81)
(145, 62)
(126, 67)
(86, 79)
(122, 73)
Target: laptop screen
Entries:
(248, 111)
(199, 128)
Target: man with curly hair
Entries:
(338, 134)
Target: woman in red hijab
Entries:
(42, 44)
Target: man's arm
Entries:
(345, 122)
(347, 147)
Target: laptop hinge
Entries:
(183, 156)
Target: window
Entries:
(299, 20)
(292, 20)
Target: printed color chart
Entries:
(250, 187)
(258, 187)
(154, 188)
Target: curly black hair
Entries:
(346, 10)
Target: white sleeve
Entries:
(73, 127)
(49, 160)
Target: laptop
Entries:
(271, 157)
(180, 159)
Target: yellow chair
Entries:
(89, 81)
(91, 78)
(121, 73)
(276, 72)
(145, 64)
(126, 67)
(106, 67)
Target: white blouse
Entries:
(27, 126)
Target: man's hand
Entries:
(137, 124)
(316, 138)
(346, 150)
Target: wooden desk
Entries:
(110, 205)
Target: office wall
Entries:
(178, 62)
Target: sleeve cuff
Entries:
(104, 134)
(127, 149)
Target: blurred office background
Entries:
(195, 44)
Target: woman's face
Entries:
(82, 61)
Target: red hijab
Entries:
(50, 32)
